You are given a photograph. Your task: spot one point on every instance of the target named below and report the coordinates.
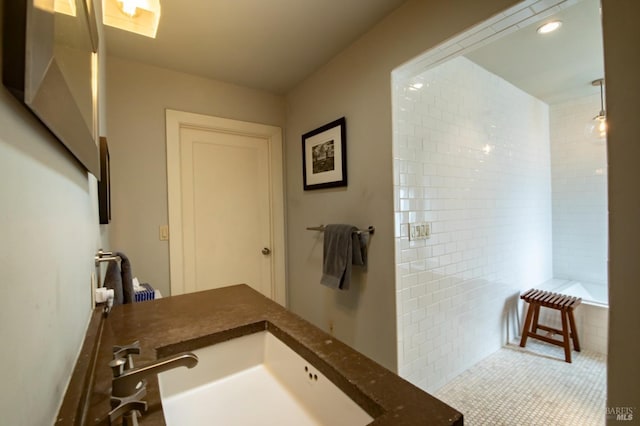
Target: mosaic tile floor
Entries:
(531, 386)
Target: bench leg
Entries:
(536, 315)
(565, 336)
(527, 323)
(574, 331)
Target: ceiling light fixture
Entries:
(597, 127)
(137, 16)
(549, 27)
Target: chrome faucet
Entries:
(130, 381)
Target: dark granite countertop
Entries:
(182, 323)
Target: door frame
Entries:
(175, 120)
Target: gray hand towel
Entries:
(113, 280)
(343, 247)
(120, 280)
(128, 294)
(359, 240)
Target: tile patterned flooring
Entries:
(531, 386)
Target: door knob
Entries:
(266, 251)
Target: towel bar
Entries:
(103, 256)
(321, 228)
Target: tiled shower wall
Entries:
(579, 183)
(471, 157)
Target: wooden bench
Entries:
(563, 303)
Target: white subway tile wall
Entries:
(579, 185)
(472, 158)
(580, 228)
(593, 327)
(592, 323)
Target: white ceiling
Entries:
(275, 45)
(552, 67)
(270, 45)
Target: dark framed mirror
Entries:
(49, 63)
(104, 186)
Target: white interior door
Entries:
(226, 226)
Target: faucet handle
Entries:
(127, 351)
(117, 366)
(128, 405)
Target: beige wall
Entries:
(357, 84)
(137, 98)
(50, 232)
(49, 210)
(622, 64)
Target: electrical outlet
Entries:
(419, 231)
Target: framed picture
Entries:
(324, 156)
(104, 185)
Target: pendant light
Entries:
(596, 129)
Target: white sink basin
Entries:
(254, 380)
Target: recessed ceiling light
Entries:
(549, 27)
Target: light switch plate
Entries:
(419, 231)
(164, 232)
